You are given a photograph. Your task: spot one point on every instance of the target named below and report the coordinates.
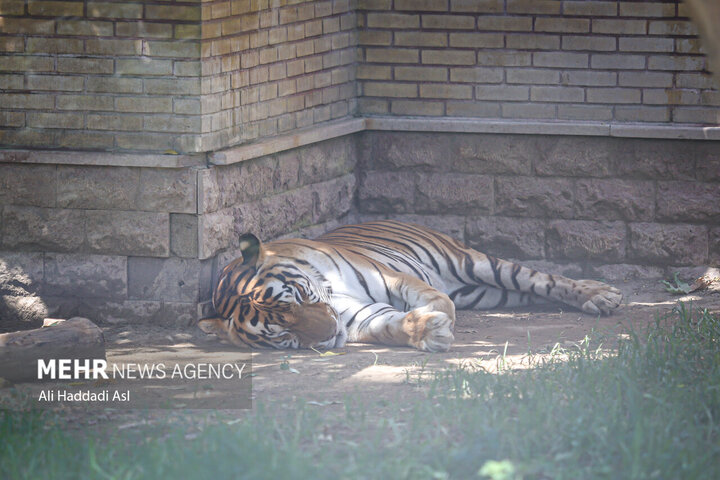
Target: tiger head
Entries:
(268, 298)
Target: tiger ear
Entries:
(251, 249)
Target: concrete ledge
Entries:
(349, 126)
(101, 158)
(286, 142)
(535, 127)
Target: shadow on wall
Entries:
(20, 306)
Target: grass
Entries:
(648, 409)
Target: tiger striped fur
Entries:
(382, 282)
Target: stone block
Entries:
(318, 162)
(624, 272)
(557, 94)
(215, 232)
(166, 279)
(688, 202)
(534, 197)
(668, 244)
(97, 187)
(586, 240)
(708, 164)
(42, 229)
(209, 196)
(493, 154)
(560, 59)
(615, 199)
(615, 61)
(421, 39)
(392, 20)
(61, 9)
(86, 276)
(386, 192)
(585, 112)
(441, 90)
(224, 186)
(399, 151)
(532, 76)
(460, 193)
(333, 198)
(589, 78)
(448, 22)
(472, 40)
(470, 109)
(417, 107)
(120, 312)
(23, 269)
(656, 159)
(448, 57)
(714, 246)
(273, 216)
(167, 190)
(645, 79)
(502, 92)
(56, 83)
(613, 95)
(597, 43)
(389, 89)
(470, 75)
(628, 27)
(562, 25)
(529, 110)
(31, 185)
(507, 237)
(128, 233)
(184, 235)
(575, 156)
(504, 23)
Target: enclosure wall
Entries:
(610, 61)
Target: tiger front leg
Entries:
(380, 323)
(425, 322)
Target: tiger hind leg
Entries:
(587, 295)
(486, 297)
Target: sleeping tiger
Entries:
(383, 282)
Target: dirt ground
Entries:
(375, 372)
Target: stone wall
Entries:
(611, 61)
(586, 206)
(132, 244)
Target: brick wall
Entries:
(199, 76)
(273, 66)
(593, 207)
(187, 76)
(607, 61)
(99, 75)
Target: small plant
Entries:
(679, 288)
(494, 470)
(419, 370)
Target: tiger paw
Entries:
(597, 297)
(432, 332)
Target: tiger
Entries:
(383, 282)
